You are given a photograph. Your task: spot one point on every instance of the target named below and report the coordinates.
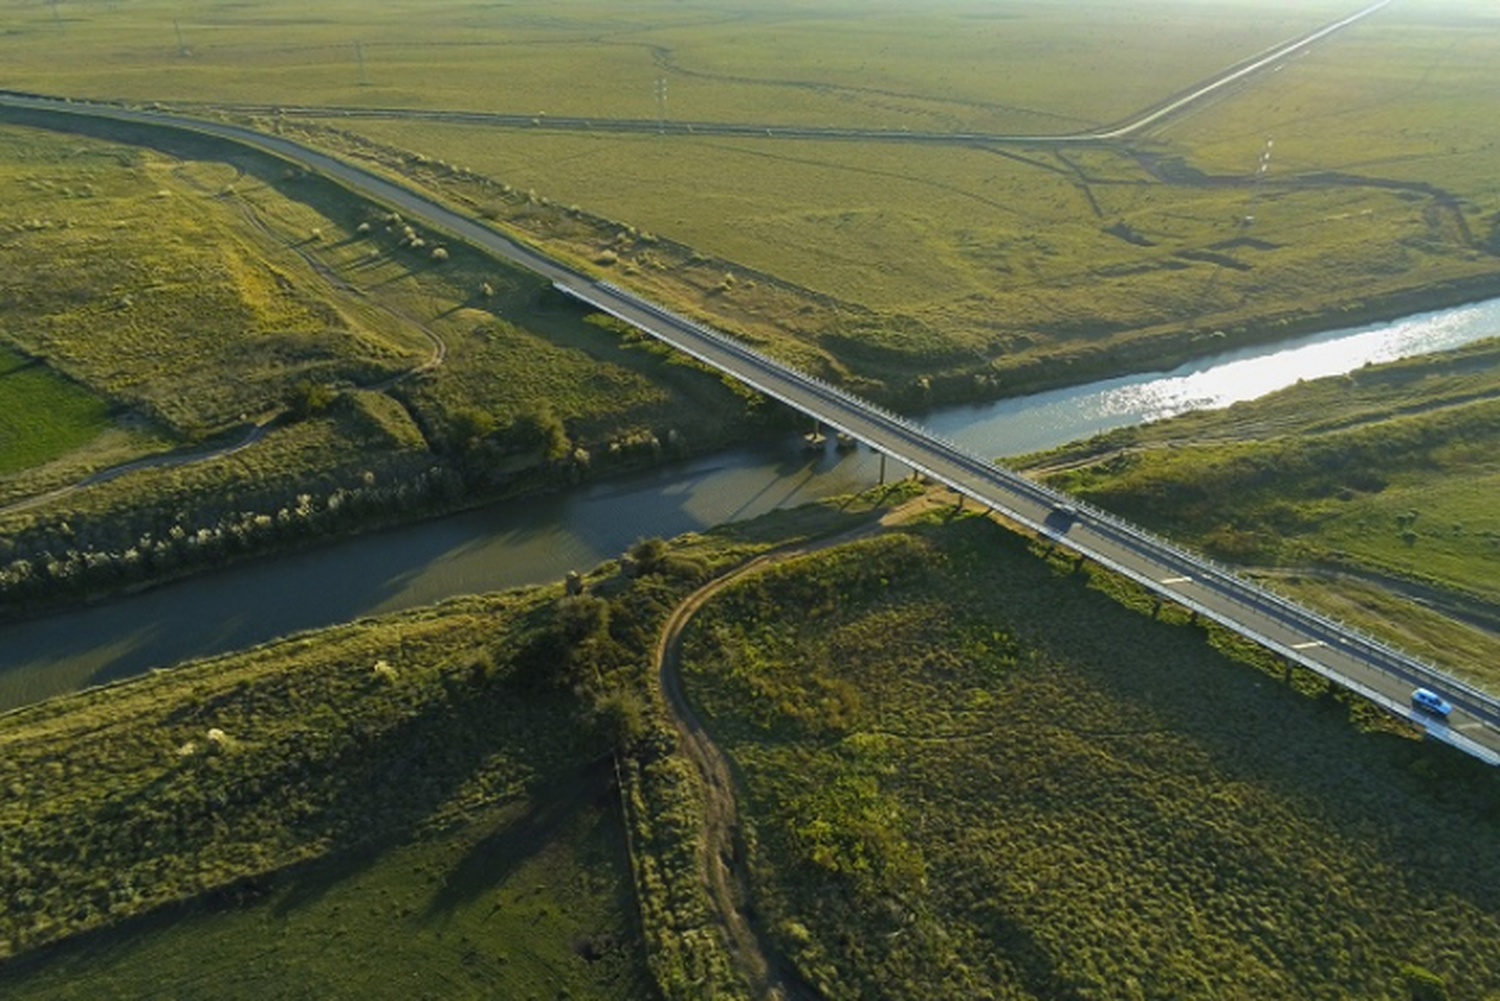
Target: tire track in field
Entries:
(263, 424)
(770, 975)
(334, 279)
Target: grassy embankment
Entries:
(971, 772)
(420, 802)
(917, 273)
(377, 807)
(1370, 494)
(195, 288)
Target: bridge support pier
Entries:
(882, 469)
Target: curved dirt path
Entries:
(163, 460)
(770, 975)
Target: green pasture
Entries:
(967, 772)
(1000, 262)
(1012, 66)
(151, 274)
(127, 271)
(1017, 265)
(42, 416)
(990, 270)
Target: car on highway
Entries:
(1431, 702)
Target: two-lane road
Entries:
(1122, 129)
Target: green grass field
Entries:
(149, 275)
(1371, 493)
(1021, 266)
(1002, 67)
(196, 287)
(124, 271)
(971, 772)
(42, 416)
(987, 269)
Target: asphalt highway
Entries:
(1349, 658)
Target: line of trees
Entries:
(53, 561)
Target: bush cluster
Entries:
(67, 557)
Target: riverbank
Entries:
(103, 567)
(421, 488)
(1370, 496)
(1177, 346)
(307, 797)
(444, 770)
(528, 541)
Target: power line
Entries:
(1256, 183)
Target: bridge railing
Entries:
(1380, 654)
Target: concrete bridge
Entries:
(1338, 652)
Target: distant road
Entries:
(1124, 129)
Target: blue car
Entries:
(1431, 702)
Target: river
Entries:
(537, 540)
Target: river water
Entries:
(537, 540)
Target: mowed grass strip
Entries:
(42, 415)
(971, 772)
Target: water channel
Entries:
(538, 540)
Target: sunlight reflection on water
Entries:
(1046, 420)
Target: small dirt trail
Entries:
(770, 975)
(165, 460)
(336, 281)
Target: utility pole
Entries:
(1257, 181)
(661, 105)
(182, 47)
(359, 55)
(1246, 221)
